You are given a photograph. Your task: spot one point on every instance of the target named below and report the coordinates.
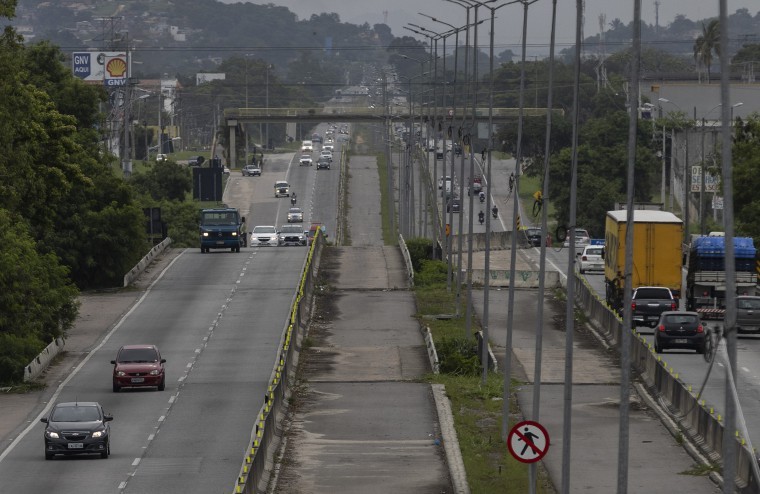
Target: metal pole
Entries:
(702, 172)
(626, 336)
(729, 442)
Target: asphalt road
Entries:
(217, 319)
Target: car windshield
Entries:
(594, 252)
(75, 414)
(681, 319)
(291, 229)
(748, 303)
(295, 211)
(263, 229)
(219, 218)
(281, 184)
(132, 355)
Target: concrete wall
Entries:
(523, 278)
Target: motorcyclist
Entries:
(481, 217)
(495, 211)
(482, 196)
(293, 199)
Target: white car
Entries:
(325, 153)
(295, 215)
(591, 259)
(264, 235)
(582, 238)
(328, 147)
(292, 235)
(281, 188)
(305, 160)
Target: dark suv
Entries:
(77, 428)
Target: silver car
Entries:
(295, 215)
(748, 314)
(265, 235)
(591, 259)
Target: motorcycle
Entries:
(482, 197)
(481, 217)
(293, 199)
(494, 212)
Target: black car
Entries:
(77, 428)
(534, 236)
(323, 162)
(679, 329)
(454, 206)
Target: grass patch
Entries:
(701, 470)
(477, 407)
(386, 201)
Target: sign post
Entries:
(528, 441)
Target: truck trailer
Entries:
(657, 253)
(706, 276)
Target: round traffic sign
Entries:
(528, 441)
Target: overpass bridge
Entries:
(239, 117)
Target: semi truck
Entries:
(657, 253)
(222, 228)
(706, 275)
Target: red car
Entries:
(138, 366)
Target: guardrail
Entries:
(253, 476)
(702, 423)
(41, 361)
(145, 261)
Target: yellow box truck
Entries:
(657, 252)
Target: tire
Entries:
(48, 456)
(162, 385)
(701, 349)
(105, 454)
(657, 347)
(583, 271)
(116, 388)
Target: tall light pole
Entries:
(450, 132)
(269, 66)
(432, 116)
(686, 175)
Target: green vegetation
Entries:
(386, 202)
(477, 407)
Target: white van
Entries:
(307, 147)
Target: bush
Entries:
(420, 249)
(458, 356)
(431, 273)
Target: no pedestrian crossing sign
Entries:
(528, 441)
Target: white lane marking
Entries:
(136, 462)
(84, 361)
(151, 437)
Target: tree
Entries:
(37, 300)
(707, 44)
(746, 163)
(164, 180)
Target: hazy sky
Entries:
(508, 24)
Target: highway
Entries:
(217, 319)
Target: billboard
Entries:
(204, 77)
(90, 66)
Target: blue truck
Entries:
(706, 277)
(222, 228)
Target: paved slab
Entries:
(657, 463)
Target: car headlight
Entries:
(120, 373)
(155, 372)
(205, 234)
(52, 435)
(98, 434)
(234, 234)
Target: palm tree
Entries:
(707, 44)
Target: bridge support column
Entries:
(232, 151)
